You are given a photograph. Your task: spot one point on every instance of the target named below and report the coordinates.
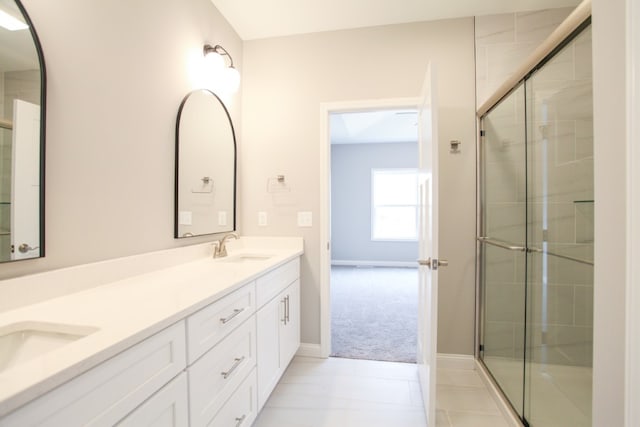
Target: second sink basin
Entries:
(247, 258)
(24, 341)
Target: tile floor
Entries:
(363, 393)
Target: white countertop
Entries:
(130, 310)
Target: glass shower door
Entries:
(536, 270)
(503, 197)
(560, 239)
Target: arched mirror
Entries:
(205, 167)
(22, 113)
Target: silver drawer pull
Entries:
(240, 420)
(287, 309)
(232, 315)
(284, 310)
(236, 363)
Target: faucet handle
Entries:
(216, 248)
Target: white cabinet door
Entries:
(290, 327)
(167, 408)
(268, 319)
(278, 338)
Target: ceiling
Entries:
(374, 127)
(257, 19)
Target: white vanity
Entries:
(200, 343)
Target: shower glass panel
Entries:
(504, 224)
(560, 238)
(536, 239)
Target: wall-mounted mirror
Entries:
(205, 167)
(22, 113)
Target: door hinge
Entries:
(481, 347)
(482, 133)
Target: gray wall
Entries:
(116, 74)
(285, 81)
(351, 166)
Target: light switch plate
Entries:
(222, 218)
(305, 219)
(262, 219)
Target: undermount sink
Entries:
(24, 341)
(247, 258)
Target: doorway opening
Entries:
(374, 234)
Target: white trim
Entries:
(456, 361)
(367, 263)
(632, 377)
(327, 108)
(310, 350)
(507, 411)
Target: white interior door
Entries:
(428, 246)
(25, 182)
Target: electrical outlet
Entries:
(185, 218)
(262, 219)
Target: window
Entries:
(394, 204)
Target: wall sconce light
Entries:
(229, 75)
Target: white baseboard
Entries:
(364, 263)
(456, 361)
(310, 350)
(503, 405)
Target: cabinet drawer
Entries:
(272, 283)
(240, 410)
(167, 408)
(211, 324)
(110, 391)
(214, 377)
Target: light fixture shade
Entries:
(231, 78)
(214, 62)
(223, 79)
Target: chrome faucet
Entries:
(220, 247)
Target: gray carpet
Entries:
(374, 313)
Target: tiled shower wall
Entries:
(504, 41)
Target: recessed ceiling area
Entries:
(257, 19)
(368, 127)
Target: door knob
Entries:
(24, 248)
(434, 263)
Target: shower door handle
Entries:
(501, 244)
(434, 263)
